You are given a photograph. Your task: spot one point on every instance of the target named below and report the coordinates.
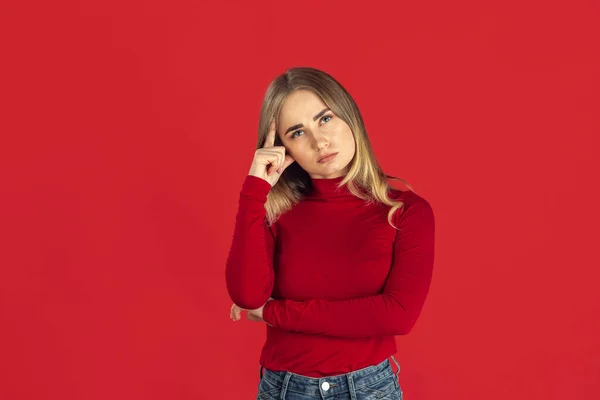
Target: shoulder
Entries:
(415, 207)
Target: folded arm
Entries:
(393, 312)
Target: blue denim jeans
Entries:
(373, 382)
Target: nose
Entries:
(321, 141)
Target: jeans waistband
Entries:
(337, 383)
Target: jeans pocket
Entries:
(386, 388)
(268, 390)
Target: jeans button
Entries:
(325, 386)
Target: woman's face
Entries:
(308, 130)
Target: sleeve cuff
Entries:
(268, 313)
(256, 188)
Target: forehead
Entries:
(300, 105)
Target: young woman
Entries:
(325, 252)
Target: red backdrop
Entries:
(128, 130)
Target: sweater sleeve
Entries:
(394, 311)
(249, 273)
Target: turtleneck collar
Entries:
(326, 188)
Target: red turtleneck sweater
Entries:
(345, 282)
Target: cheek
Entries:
(295, 151)
(348, 138)
(300, 155)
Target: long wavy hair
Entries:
(365, 178)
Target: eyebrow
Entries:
(293, 127)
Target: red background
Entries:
(128, 128)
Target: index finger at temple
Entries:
(270, 141)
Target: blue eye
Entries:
(322, 118)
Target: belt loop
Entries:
(286, 381)
(351, 388)
(397, 365)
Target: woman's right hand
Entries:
(270, 161)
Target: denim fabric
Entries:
(370, 383)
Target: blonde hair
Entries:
(365, 178)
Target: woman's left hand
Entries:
(253, 315)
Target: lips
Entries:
(327, 157)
